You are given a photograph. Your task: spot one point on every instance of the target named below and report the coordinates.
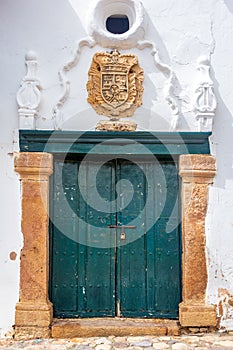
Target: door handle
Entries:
(121, 227)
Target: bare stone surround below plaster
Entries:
(33, 316)
(197, 172)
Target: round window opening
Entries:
(117, 24)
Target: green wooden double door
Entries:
(115, 238)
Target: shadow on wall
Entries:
(49, 28)
(165, 58)
(229, 5)
(145, 118)
(221, 139)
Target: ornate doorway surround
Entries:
(34, 164)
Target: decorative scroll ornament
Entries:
(204, 98)
(28, 96)
(65, 83)
(115, 87)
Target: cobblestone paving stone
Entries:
(208, 341)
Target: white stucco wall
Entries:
(182, 31)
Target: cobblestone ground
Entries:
(213, 341)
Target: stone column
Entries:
(197, 172)
(34, 311)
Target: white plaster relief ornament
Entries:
(64, 81)
(29, 95)
(98, 34)
(204, 97)
(115, 88)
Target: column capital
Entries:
(33, 163)
(199, 168)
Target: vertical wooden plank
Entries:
(64, 248)
(150, 236)
(131, 282)
(167, 260)
(81, 251)
(98, 280)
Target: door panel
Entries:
(131, 287)
(96, 294)
(83, 273)
(97, 271)
(149, 266)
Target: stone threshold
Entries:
(102, 327)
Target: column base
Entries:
(192, 315)
(27, 333)
(33, 320)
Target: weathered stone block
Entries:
(35, 332)
(39, 315)
(197, 315)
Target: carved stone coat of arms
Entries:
(115, 84)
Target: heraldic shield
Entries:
(115, 84)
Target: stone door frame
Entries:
(34, 311)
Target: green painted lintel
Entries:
(117, 143)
